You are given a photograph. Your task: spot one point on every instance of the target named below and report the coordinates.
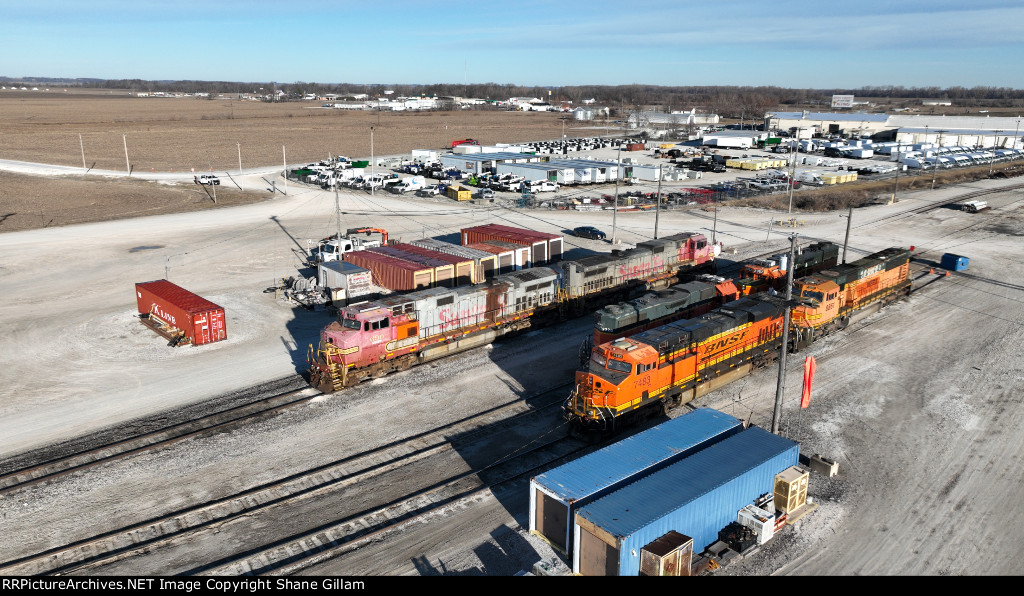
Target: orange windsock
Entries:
(809, 366)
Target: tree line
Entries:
(727, 101)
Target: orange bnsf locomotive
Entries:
(631, 378)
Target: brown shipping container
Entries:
(486, 263)
(200, 320)
(523, 254)
(506, 256)
(391, 273)
(444, 272)
(465, 268)
(545, 248)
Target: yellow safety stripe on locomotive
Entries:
(712, 339)
(343, 351)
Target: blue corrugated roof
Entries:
(621, 460)
(641, 503)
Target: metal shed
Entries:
(697, 497)
(556, 495)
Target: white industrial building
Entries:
(904, 128)
(826, 123)
(485, 163)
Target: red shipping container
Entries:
(200, 320)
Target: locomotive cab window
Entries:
(620, 366)
(350, 324)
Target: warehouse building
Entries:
(485, 163)
(982, 131)
(696, 497)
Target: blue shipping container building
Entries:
(697, 497)
(557, 494)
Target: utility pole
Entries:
(371, 166)
(337, 211)
(82, 145)
(657, 205)
(792, 172)
(615, 207)
(991, 161)
(849, 219)
(781, 386)
(239, 157)
(284, 160)
(938, 146)
(714, 225)
(896, 184)
(127, 164)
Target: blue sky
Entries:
(790, 43)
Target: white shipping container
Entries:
(426, 155)
(355, 281)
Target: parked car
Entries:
(485, 193)
(429, 191)
(589, 232)
(207, 179)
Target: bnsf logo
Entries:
(723, 343)
(163, 314)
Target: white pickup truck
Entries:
(329, 249)
(207, 180)
(542, 186)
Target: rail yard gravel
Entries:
(920, 403)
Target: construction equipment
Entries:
(368, 231)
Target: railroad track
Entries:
(461, 492)
(217, 422)
(313, 548)
(933, 205)
(116, 545)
